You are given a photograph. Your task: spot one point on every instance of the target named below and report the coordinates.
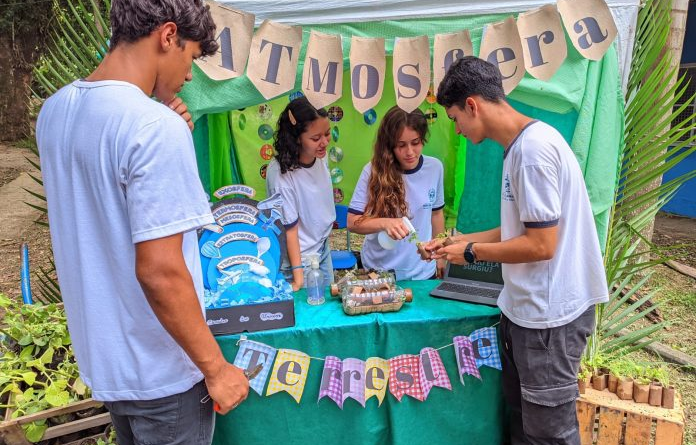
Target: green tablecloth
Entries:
(470, 414)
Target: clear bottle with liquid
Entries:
(315, 283)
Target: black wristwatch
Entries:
(469, 254)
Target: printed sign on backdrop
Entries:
(501, 46)
(590, 26)
(411, 71)
(289, 373)
(543, 41)
(234, 29)
(376, 378)
(322, 78)
(367, 70)
(273, 57)
(447, 49)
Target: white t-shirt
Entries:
(543, 187)
(119, 169)
(307, 200)
(424, 194)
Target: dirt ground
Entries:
(677, 291)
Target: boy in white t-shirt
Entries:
(399, 182)
(548, 244)
(124, 202)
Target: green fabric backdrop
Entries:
(583, 101)
(474, 411)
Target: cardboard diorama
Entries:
(240, 258)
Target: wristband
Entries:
(296, 267)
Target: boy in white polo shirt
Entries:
(548, 244)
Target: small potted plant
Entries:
(625, 371)
(658, 375)
(641, 387)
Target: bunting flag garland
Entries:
(353, 380)
(485, 346)
(376, 378)
(332, 380)
(289, 373)
(432, 371)
(250, 355)
(464, 352)
(535, 42)
(404, 377)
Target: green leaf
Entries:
(29, 377)
(56, 397)
(47, 356)
(34, 432)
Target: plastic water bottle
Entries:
(315, 283)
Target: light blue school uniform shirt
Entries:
(424, 194)
(119, 169)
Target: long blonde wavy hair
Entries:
(386, 191)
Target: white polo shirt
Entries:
(544, 187)
(424, 194)
(307, 200)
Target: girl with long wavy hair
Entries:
(300, 173)
(399, 182)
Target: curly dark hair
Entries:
(286, 140)
(132, 20)
(467, 77)
(386, 189)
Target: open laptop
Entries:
(474, 283)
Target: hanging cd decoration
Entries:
(295, 94)
(431, 115)
(266, 152)
(265, 112)
(338, 195)
(242, 121)
(336, 175)
(265, 132)
(335, 114)
(335, 154)
(430, 98)
(334, 133)
(370, 116)
(262, 171)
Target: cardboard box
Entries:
(251, 317)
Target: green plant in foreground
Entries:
(37, 367)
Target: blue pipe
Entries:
(24, 276)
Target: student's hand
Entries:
(228, 387)
(395, 228)
(454, 253)
(181, 109)
(440, 270)
(430, 247)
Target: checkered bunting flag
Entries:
(354, 380)
(464, 352)
(404, 377)
(376, 378)
(249, 355)
(432, 371)
(332, 381)
(289, 373)
(485, 341)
